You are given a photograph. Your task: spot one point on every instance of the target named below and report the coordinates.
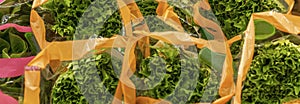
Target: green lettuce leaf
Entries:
(34, 48)
(18, 46)
(4, 44)
(263, 30)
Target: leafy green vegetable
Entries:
(274, 74)
(87, 77)
(109, 22)
(234, 15)
(32, 43)
(14, 45)
(5, 53)
(101, 18)
(66, 14)
(66, 90)
(18, 46)
(87, 70)
(263, 30)
(4, 44)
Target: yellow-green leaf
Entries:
(263, 30)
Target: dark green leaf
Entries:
(18, 46)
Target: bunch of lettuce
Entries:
(234, 15)
(85, 80)
(14, 44)
(274, 74)
(62, 16)
(84, 19)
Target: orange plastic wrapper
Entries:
(297, 101)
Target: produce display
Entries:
(221, 53)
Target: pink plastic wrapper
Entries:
(18, 27)
(5, 99)
(13, 67)
(1, 1)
